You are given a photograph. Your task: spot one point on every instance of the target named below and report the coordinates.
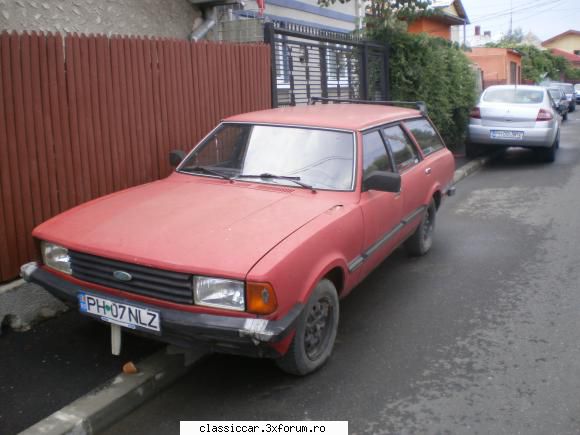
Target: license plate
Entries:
(506, 134)
(120, 313)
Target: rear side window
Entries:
(514, 96)
(375, 157)
(425, 135)
(404, 153)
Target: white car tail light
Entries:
(544, 115)
(475, 113)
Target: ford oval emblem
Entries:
(121, 275)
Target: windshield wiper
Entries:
(267, 175)
(206, 171)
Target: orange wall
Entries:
(430, 26)
(495, 63)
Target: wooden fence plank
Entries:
(13, 232)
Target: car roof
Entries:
(524, 87)
(335, 116)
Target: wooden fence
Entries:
(83, 116)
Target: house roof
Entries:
(461, 13)
(560, 36)
(334, 116)
(569, 56)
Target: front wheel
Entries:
(422, 239)
(315, 332)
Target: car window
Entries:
(404, 152)
(323, 159)
(375, 157)
(514, 96)
(425, 135)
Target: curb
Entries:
(471, 167)
(110, 402)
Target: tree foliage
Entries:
(435, 71)
(390, 13)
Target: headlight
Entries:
(55, 257)
(220, 293)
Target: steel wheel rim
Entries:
(318, 328)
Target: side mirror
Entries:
(382, 181)
(175, 157)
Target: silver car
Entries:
(514, 116)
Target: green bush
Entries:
(437, 72)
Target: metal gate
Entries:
(309, 62)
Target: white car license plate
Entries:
(120, 313)
(506, 134)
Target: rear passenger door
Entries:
(437, 161)
(412, 169)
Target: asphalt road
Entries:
(480, 336)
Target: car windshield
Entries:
(514, 96)
(322, 159)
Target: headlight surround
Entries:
(219, 293)
(56, 257)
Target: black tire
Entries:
(472, 150)
(422, 239)
(315, 332)
(565, 117)
(548, 155)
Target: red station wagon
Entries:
(249, 245)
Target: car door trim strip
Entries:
(359, 260)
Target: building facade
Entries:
(499, 65)
(568, 41)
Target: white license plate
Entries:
(119, 313)
(506, 134)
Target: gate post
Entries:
(364, 72)
(386, 72)
(269, 39)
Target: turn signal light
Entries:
(260, 298)
(544, 115)
(475, 113)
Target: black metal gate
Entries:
(309, 62)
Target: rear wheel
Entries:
(565, 117)
(472, 150)
(315, 332)
(422, 239)
(548, 155)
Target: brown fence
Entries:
(82, 116)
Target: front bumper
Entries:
(226, 334)
(533, 137)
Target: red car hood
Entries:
(187, 224)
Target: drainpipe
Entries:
(201, 31)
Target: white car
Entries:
(515, 116)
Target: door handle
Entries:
(428, 171)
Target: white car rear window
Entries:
(514, 96)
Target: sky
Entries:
(545, 18)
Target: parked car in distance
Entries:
(560, 102)
(514, 116)
(577, 92)
(568, 90)
(249, 245)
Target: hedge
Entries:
(437, 72)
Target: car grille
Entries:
(146, 281)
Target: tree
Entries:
(390, 13)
